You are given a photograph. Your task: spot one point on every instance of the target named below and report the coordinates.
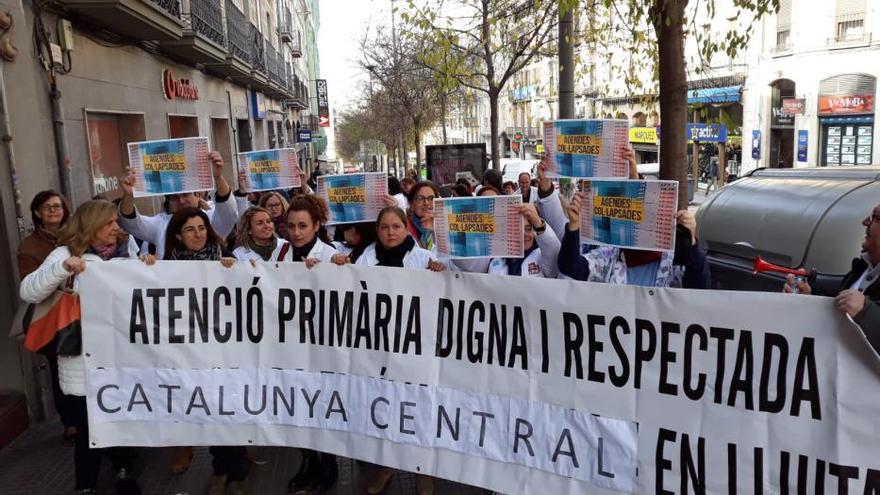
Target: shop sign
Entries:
(781, 119)
(304, 136)
(794, 106)
(707, 133)
(647, 135)
(258, 105)
(178, 89)
(323, 103)
(756, 144)
(836, 105)
(539, 148)
(803, 139)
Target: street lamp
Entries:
(371, 69)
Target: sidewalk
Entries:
(39, 462)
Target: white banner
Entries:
(520, 386)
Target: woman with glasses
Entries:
(421, 219)
(49, 213)
(276, 204)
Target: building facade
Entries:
(813, 87)
(104, 74)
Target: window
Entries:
(107, 136)
(850, 21)
(783, 26)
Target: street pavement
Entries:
(39, 462)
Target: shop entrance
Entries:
(243, 132)
(183, 126)
(781, 125)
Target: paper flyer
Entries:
(586, 148)
(634, 214)
(170, 166)
(479, 227)
(354, 198)
(267, 170)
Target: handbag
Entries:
(52, 326)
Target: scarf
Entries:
(211, 252)
(394, 256)
(514, 265)
(109, 252)
(301, 253)
(426, 236)
(265, 252)
(638, 257)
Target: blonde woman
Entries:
(90, 236)
(255, 236)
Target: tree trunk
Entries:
(673, 93)
(493, 130)
(417, 135)
(566, 64)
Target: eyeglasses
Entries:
(875, 217)
(421, 198)
(272, 206)
(52, 207)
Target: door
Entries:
(182, 126)
(243, 131)
(221, 142)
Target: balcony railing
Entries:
(296, 45)
(851, 28)
(238, 35)
(170, 6)
(285, 29)
(257, 47)
(206, 18)
(272, 60)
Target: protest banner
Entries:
(170, 166)
(266, 170)
(354, 198)
(517, 385)
(479, 227)
(633, 214)
(586, 148)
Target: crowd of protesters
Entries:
(291, 226)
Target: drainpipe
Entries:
(61, 141)
(6, 137)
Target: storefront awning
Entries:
(727, 94)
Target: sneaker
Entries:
(125, 484)
(306, 478)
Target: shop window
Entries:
(180, 126)
(107, 136)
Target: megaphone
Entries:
(762, 266)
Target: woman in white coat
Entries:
(255, 236)
(91, 235)
(306, 241)
(395, 247)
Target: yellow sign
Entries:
(347, 194)
(539, 148)
(265, 167)
(618, 208)
(646, 135)
(164, 162)
(579, 144)
(475, 223)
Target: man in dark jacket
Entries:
(859, 295)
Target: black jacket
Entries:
(868, 318)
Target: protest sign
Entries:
(354, 198)
(170, 166)
(634, 214)
(521, 386)
(479, 227)
(586, 148)
(267, 170)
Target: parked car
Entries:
(799, 218)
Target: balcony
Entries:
(158, 20)
(204, 38)
(285, 29)
(236, 62)
(274, 72)
(850, 30)
(296, 45)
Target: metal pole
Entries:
(566, 64)
(61, 143)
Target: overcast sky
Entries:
(343, 22)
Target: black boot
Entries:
(125, 484)
(306, 478)
(329, 471)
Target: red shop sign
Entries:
(178, 88)
(833, 105)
